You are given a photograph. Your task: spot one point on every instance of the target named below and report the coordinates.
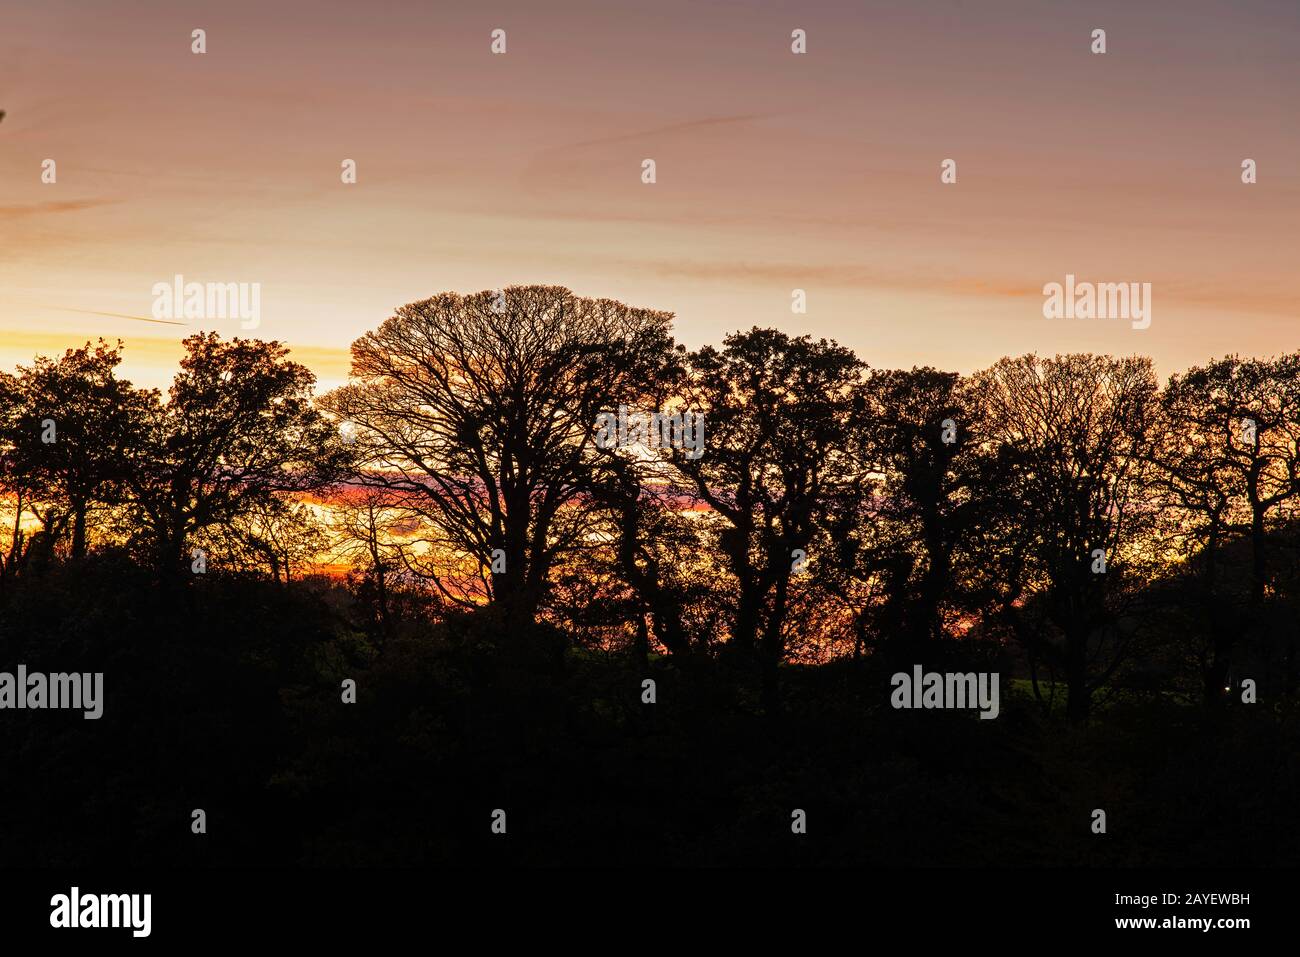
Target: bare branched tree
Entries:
(479, 411)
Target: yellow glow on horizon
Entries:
(151, 361)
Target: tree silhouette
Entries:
(238, 429)
(1229, 465)
(479, 412)
(68, 431)
(779, 411)
(1060, 520)
(923, 438)
(1076, 431)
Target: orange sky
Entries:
(775, 171)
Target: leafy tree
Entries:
(654, 545)
(923, 438)
(779, 411)
(1229, 465)
(239, 429)
(69, 430)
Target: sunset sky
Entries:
(775, 171)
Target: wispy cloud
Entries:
(24, 210)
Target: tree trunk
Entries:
(78, 530)
(773, 649)
(642, 646)
(1076, 674)
(1258, 570)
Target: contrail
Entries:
(117, 315)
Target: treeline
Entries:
(1070, 512)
